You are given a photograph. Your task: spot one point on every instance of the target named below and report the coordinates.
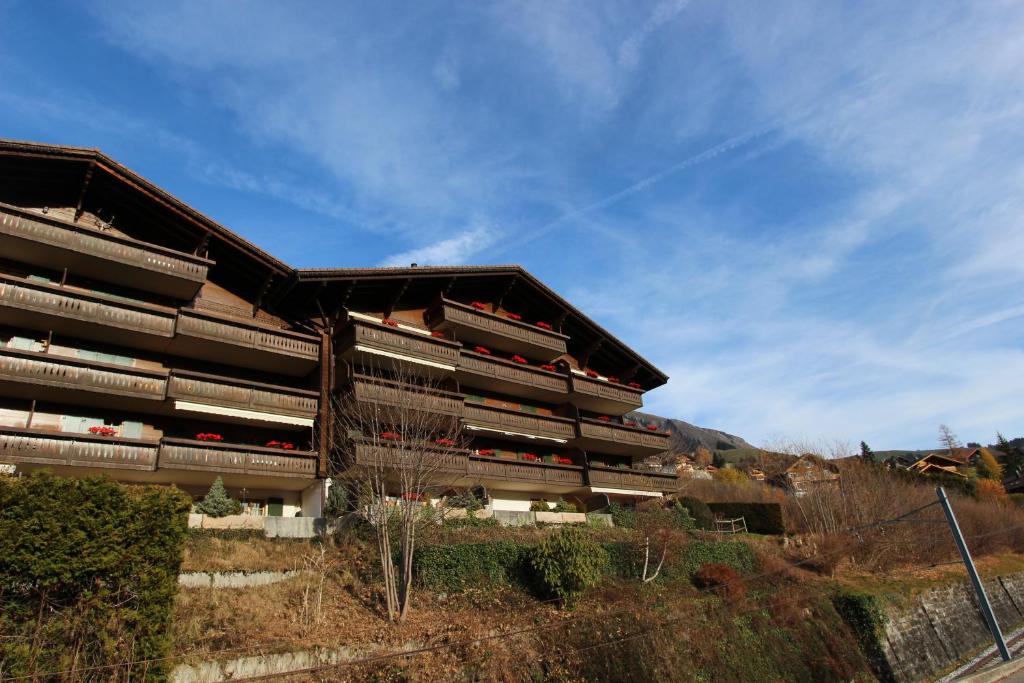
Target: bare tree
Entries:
(396, 442)
(948, 439)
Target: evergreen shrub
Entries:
(761, 518)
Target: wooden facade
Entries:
(138, 335)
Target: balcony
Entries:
(79, 450)
(509, 378)
(391, 348)
(516, 425)
(400, 395)
(49, 377)
(204, 456)
(232, 400)
(473, 326)
(245, 344)
(618, 439)
(631, 480)
(439, 466)
(601, 396)
(104, 256)
(525, 476)
(41, 306)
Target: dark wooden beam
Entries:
(86, 179)
(629, 373)
(202, 249)
(589, 351)
(390, 308)
(448, 286)
(559, 322)
(262, 293)
(501, 298)
(325, 414)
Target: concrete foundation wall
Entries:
(233, 579)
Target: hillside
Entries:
(685, 437)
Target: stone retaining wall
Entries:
(233, 579)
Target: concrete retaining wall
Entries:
(233, 579)
(944, 626)
(273, 527)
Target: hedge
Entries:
(761, 518)
(455, 567)
(99, 561)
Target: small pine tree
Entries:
(988, 466)
(217, 503)
(337, 500)
(866, 452)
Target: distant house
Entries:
(939, 463)
(808, 474)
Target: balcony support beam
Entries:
(86, 180)
(326, 424)
(393, 303)
(501, 297)
(589, 351)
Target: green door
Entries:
(275, 507)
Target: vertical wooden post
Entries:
(325, 425)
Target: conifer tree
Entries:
(866, 452)
(217, 503)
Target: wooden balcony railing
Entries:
(45, 306)
(81, 450)
(514, 421)
(187, 454)
(631, 480)
(379, 345)
(104, 256)
(402, 396)
(470, 325)
(610, 437)
(232, 393)
(244, 343)
(51, 370)
(489, 468)
(432, 462)
(602, 396)
(506, 377)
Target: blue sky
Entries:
(808, 214)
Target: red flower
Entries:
(391, 436)
(544, 326)
(549, 367)
(444, 442)
(513, 316)
(479, 306)
(288, 446)
(206, 436)
(483, 349)
(103, 431)
(390, 322)
(529, 456)
(273, 444)
(652, 428)
(614, 380)
(562, 460)
(604, 418)
(591, 374)
(634, 385)
(437, 334)
(519, 359)
(630, 423)
(485, 451)
(409, 495)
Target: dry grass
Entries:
(205, 553)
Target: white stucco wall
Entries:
(515, 501)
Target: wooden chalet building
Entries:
(142, 340)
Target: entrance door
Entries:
(275, 507)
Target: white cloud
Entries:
(460, 249)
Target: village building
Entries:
(142, 340)
(809, 474)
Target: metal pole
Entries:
(986, 608)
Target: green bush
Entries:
(563, 506)
(622, 516)
(88, 573)
(681, 518)
(455, 567)
(337, 500)
(539, 506)
(865, 614)
(567, 563)
(700, 512)
(761, 518)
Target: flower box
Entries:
(560, 460)
(409, 495)
(391, 436)
(283, 445)
(103, 431)
(444, 442)
(206, 436)
(652, 428)
(529, 456)
(519, 359)
(513, 316)
(634, 385)
(549, 367)
(485, 451)
(604, 418)
(591, 374)
(545, 326)
(480, 306)
(630, 423)
(614, 380)
(438, 334)
(482, 349)
(390, 322)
